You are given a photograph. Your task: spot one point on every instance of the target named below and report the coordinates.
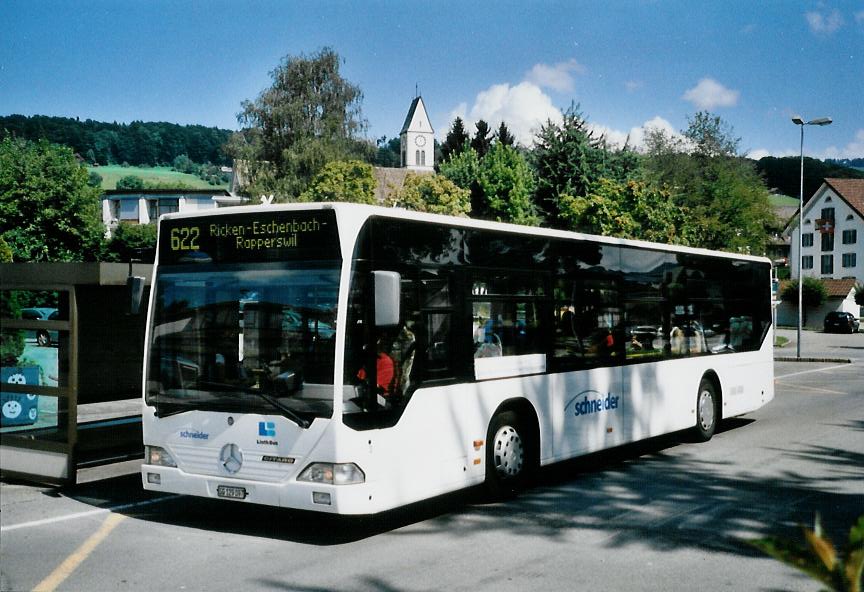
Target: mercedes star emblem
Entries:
(231, 458)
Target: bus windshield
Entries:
(257, 338)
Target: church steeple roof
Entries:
(418, 101)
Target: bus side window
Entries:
(435, 346)
(587, 322)
(402, 341)
(506, 328)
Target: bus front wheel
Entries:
(707, 411)
(508, 455)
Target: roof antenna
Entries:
(416, 90)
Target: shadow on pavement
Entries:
(638, 493)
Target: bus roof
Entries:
(366, 211)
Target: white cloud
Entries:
(557, 77)
(633, 85)
(460, 110)
(854, 149)
(825, 23)
(635, 138)
(709, 93)
(758, 153)
(523, 107)
(637, 134)
(613, 137)
(859, 17)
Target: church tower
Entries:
(417, 139)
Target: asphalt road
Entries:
(662, 515)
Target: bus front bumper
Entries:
(319, 497)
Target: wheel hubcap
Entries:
(706, 409)
(508, 452)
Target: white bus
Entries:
(351, 359)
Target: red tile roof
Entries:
(835, 288)
(839, 288)
(851, 190)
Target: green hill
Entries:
(784, 174)
(165, 177)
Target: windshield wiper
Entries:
(286, 411)
(169, 409)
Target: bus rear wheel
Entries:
(707, 411)
(509, 456)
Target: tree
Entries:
(131, 241)
(5, 252)
(482, 139)
(11, 342)
(183, 164)
(389, 152)
(463, 169)
(130, 182)
(434, 194)
(456, 140)
(94, 179)
(813, 294)
(48, 212)
(631, 209)
(503, 136)
(711, 136)
(350, 181)
(507, 186)
(139, 142)
(724, 195)
(309, 116)
(732, 204)
(567, 159)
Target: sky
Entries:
(628, 65)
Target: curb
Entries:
(802, 359)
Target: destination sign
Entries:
(253, 237)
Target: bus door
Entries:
(588, 353)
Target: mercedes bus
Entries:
(352, 359)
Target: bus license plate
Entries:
(231, 492)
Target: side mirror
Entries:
(135, 284)
(387, 292)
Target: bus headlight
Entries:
(333, 474)
(156, 455)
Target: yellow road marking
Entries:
(65, 569)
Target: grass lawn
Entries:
(113, 173)
(783, 200)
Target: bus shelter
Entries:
(71, 352)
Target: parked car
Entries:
(43, 336)
(841, 322)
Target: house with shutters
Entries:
(832, 241)
(832, 246)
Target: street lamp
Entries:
(797, 120)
